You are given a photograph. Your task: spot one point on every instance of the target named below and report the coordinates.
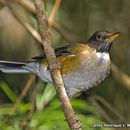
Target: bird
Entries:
(83, 65)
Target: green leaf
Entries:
(24, 107)
(11, 95)
(45, 96)
(5, 109)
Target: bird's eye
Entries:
(98, 36)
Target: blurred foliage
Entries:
(48, 114)
(81, 18)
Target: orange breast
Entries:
(68, 64)
(71, 63)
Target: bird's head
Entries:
(102, 40)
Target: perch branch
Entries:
(54, 67)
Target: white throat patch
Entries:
(105, 56)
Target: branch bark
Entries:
(54, 66)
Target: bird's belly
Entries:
(86, 77)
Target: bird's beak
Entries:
(113, 36)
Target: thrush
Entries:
(83, 65)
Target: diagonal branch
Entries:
(99, 102)
(65, 33)
(53, 12)
(23, 93)
(54, 67)
(26, 25)
(28, 4)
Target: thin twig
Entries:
(28, 4)
(108, 106)
(54, 12)
(23, 93)
(25, 123)
(27, 85)
(26, 25)
(61, 29)
(101, 110)
(54, 67)
(65, 33)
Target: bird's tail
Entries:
(13, 67)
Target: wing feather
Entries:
(59, 52)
